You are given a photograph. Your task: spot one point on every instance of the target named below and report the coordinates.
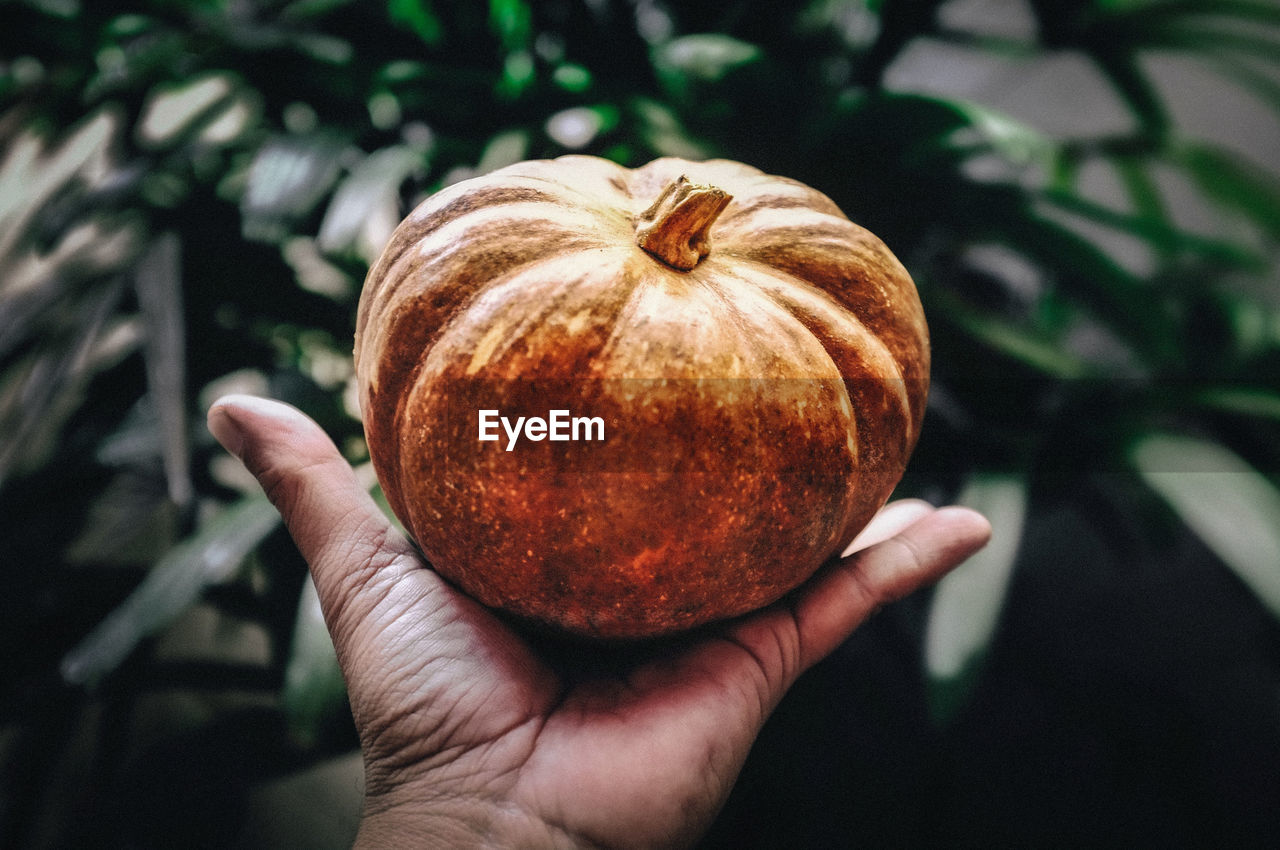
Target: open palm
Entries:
(475, 734)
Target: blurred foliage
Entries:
(191, 193)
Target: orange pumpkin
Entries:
(729, 377)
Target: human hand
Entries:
(475, 736)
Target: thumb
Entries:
(338, 528)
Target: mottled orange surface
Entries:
(758, 408)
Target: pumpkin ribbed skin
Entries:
(758, 408)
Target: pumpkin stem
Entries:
(675, 229)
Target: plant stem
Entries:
(676, 228)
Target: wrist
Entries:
(462, 823)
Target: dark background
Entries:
(1086, 193)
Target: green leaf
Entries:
(174, 110)
(1206, 26)
(700, 58)
(1201, 36)
(1036, 351)
(579, 126)
(365, 209)
(158, 285)
(1230, 505)
(966, 604)
(572, 77)
(417, 17)
(505, 148)
(1233, 183)
(39, 388)
(1155, 230)
(1125, 73)
(990, 130)
(662, 131)
(1248, 401)
(314, 691)
(176, 581)
(1141, 188)
(303, 9)
(512, 22)
(1090, 277)
(288, 176)
(1260, 11)
(1245, 75)
(518, 73)
(57, 8)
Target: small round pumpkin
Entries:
(626, 402)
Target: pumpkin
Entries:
(699, 382)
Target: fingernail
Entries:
(226, 430)
(891, 519)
